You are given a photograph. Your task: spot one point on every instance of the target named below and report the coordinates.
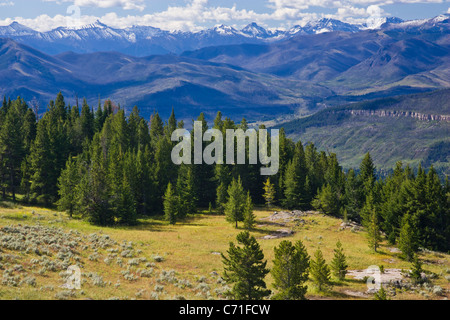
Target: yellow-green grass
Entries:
(192, 248)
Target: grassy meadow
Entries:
(155, 260)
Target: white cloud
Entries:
(6, 4)
(196, 14)
(124, 4)
(303, 4)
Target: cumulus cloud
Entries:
(196, 14)
(124, 4)
(6, 3)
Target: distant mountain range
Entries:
(144, 40)
(271, 73)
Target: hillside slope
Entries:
(153, 83)
(158, 261)
(411, 128)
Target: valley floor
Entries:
(155, 260)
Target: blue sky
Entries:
(199, 14)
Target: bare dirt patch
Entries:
(288, 216)
(389, 276)
(282, 233)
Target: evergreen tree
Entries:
(319, 271)
(86, 122)
(49, 152)
(204, 177)
(380, 294)
(367, 173)
(327, 201)
(234, 208)
(12, 148)
(407, 242)
(373, 231)
(186, 191)
(290, 271)
(339, 263)
(249, 216)
(121, 197)
(170, 205)
(93, 191)
(221, 199)
(67, 183)
(416, 271)
(269, 193)
(245, 268)
(353, 197)
(294, 180)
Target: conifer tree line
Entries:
(110, 168)
(245, 269)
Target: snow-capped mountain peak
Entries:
(224, 30)
(147, 40)
(96, 25)
(16, 28)
(254, 30)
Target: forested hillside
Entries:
(411, 128)
(109, 169)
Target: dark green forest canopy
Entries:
(111, 168)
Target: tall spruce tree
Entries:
(249, 216)
(170, 205)
(67, 183)
(290, 271)
(407, 241)
(339, 263)
(221, 198)
(234, 208)
(269, 193)
(245, 269)
(319, 271)
(186, 191)
(12, 148)
(294, 180)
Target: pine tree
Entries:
(67, 183)
(407, 241)
(319, 271)
(49, 152)
(290, 271)
(186, 191)
(121, 197)
(269, 193)
(170, 205)
(245, 268)
(339, 263)
(373, 232)
(12, 149)
(93, 191)
(234, 208)
(204, 183)
(416, 271)
(249, 216)
(86, 122)
(327, 201)
(353, 197)
(380, 294)
(294, 180)
(367, 173)
(221, 198)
